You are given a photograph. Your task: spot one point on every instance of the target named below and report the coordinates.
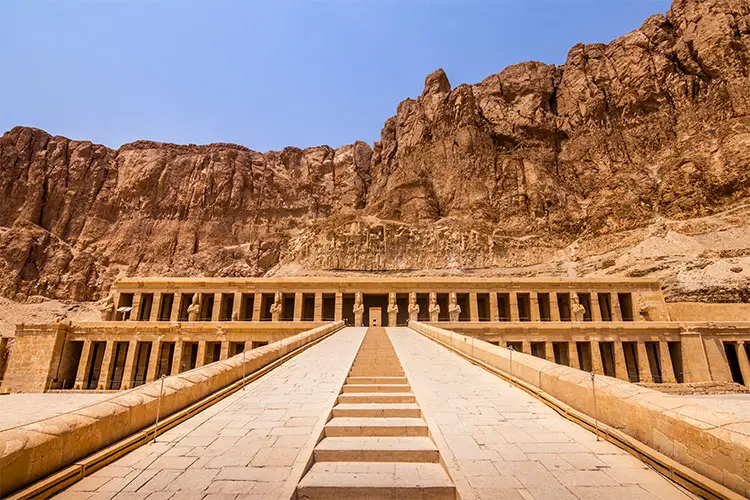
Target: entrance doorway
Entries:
(375, 305)
(375, 319)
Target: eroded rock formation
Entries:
(536, 170)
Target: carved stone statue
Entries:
(392, 309)
(454, 310)
(644, 310)
(194, 309)
(359, 309)
(413, 307)
(276, 307)
(434, 308)
(577, 308)
(107, 308)
(235, 315)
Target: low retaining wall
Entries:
(33, 451)
(712, 443)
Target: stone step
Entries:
(376, 372)
(376, 449)
(409, 410)
(375, 426)
(377, 397)
(376, 380)
(377, 388)
(376, 481)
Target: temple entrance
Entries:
(402, 301)
(375, 304)
(375, 317)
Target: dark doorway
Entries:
(605, 306)
(189, 356)
(585, 300)
(517, 346)
(563, 305)
(607, 352)
(329, 307)
(185, 300)
(147, 301)
(119, 356)
(207, 306)
(165, 308)
(584, 356)
(524, 306)
(630, 349)
(95, 365)
(730, 348)
(348, 309)
(538, 349)
(675, 353)
(654, 361)
(236, 348)
(503, 306)
(308, 307)
(142, 356)
(226, 307)
(166, 357)
(626, 306)
(423, 300)
(483, 306)
(126, 303)
(287, 307)
(266, 301)
(544, 307)
(247, 306)
(402, 301)
(560, 351)
(443, 300)
(372, 300)
(462, 299)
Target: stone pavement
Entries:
(20, 409)
(251, 445)
(499, 442)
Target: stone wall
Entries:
(33, 357)
(712, 443)
(700, 311)
(33, 451)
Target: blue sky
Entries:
(268, 74)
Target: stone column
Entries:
(155, 306)
(131, 359)
(135, 310)
(339, 314)
(200, 358)
(526, 347)
(83, 365)
(216, 312)
(596, 311)
(744, 362)
(621, 366)
(298, 301)
(534, 307)
(554, 309)
(513, 306)
(615, 303)
(318, 306)
(237, 307)
(257, 299)
(667, 372)
(549, 351)
(153, 361)
(596, 358)
(573, 355)
(494, 312)
(176, 357)
(694, 360)
(473, 307)
(224, 354)
(174, 314)
(107, 362)
(644, 369)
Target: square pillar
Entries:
(237, 306)
(694, 360)
(130, 360)
(174, 314)
(616, 311)
(534, 308)
(621, 366)
(473, 307)
(318, 306)
(155, 306)
(339, 314)
(596, 311)
(135, 312)
(513, 306)
(298, 306)
(549, 351)
(176, 358)
(554, 309)
(573, 355)
(216, 312)
(200, 358)
(83, 365)
(106, 365)
(153, 361)
(224, 354)
(596, 358)
(667, 372)
(494, 312)
(644, 369)
(526, 347)
(257, 299)
(744, 362)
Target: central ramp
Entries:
(376, 445)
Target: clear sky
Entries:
(268, 74)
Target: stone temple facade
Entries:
(153, 327)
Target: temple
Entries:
(150, 327)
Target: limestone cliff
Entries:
(632, 158)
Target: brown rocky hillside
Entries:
(631, 159)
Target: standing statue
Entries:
(392, 309)
(107, 308)
(454, 310)
(434, 308)
(194, 309)
(644, 310)
(413, 307)
(276, 307)
(577, 309)
(359, 309)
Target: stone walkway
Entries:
(20, 409)
(500, 443)
(252, 445)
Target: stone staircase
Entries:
(376, 445)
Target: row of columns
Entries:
(621, 371)
(534, 312)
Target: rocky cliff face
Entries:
(632, 158)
